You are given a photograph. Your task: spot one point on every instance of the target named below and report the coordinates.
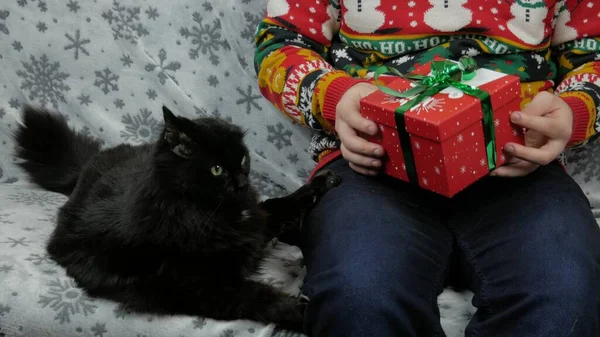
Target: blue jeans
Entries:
(379, 252)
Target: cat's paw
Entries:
(291, 314)
(322, 182)
(325, 180)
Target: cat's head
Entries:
(204, 157)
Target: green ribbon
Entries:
(444, 74)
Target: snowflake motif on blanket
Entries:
(141, 128)
(44, 81)
(4, 218)
(248, 98)
(125, 22)
(41, 4)
(279, 136)
(199, 323)
(16, 242)
(73, 6)
(205, 38)
(163, 68)
(41, 199)
(252, 21)
(99, 330)
(77, 44)
(266, 185)
(63, 297)
(106, 80)
(152, 13)
(584, 162)
(3, 16)
(4, 309)
(40, 259)
(215, 113)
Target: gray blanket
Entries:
(109, 66)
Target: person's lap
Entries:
(377, 252)
(531, 247)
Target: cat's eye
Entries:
(243, 161)
(216, 170)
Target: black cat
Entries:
(168, 227)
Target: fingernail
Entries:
(372, 129)
(509, 148)
(377, 152)
(515, 116)
(375, 163)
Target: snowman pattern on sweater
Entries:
(447, 15)
(528, 21)
(321, 44)
(277, 8)
(564, 30)
(363, 16)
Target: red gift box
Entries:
(445, 130)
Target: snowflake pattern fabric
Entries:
(109, 66)
(44, 81)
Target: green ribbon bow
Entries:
(444, 74)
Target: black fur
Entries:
(55, 154)
(168, 227)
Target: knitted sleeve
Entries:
(576, 43)
(292, 43)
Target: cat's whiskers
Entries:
(210, 217)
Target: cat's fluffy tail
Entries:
(51, 152)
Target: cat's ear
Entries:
(178, 141)
(170, 119)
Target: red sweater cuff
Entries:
(335, 90)
(581, 118)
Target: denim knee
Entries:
(371, 302)
(354, 292)
(561, 295)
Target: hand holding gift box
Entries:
(445, 125)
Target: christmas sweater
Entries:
(309, 52)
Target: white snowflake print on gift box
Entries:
(528, 18)
(389, 99)
(447, 16)
(362, 16)
(429, 104)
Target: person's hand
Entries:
(364, 157)
(549, 123)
